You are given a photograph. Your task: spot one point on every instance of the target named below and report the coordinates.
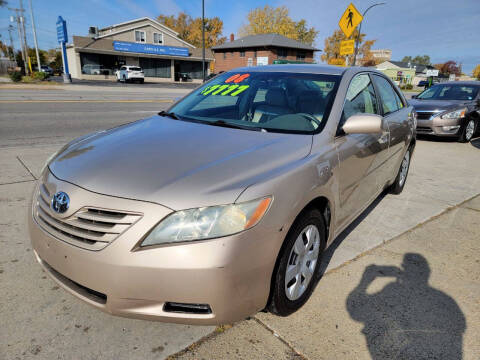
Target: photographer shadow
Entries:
(407, 319)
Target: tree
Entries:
(476, 72)
(419, 59)
(450, 67)
(270, 20)
(190, 30)
(55, 58)
(33, 57)
(6, 50)
(331, 49)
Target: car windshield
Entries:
(272, 101)
(450, 92)
(135, 68)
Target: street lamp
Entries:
(360, 31)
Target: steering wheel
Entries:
(310, 117)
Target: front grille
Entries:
(89, 228)
(424, 115)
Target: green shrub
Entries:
(39, 75)
(16, 76)
(409, 86)
(28, 79)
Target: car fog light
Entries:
(450, 128)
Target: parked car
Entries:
(46, 69)
(94, 69)
(449, 109)
(130, 73)
(222, 205)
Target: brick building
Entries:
(264, 49)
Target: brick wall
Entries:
(230, 59)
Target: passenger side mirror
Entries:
(363, 124)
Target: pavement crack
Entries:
(26, 167)
(16, 182)
(279, 337)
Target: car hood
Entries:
(436, 105)
(175, 163)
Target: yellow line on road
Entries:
(84, 101)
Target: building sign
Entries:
(349, 20)
(432, 72)
(149, 48)
(347, 47)
(262, 60)
(62, 35)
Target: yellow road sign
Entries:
(347, 47)
(338, 62)
(349, 20)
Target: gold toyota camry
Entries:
(223, 205)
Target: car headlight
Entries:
(460, 113)
(208, 222)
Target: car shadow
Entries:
(328, 254)
(407, 319)
(476, 142)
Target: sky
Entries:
(444, 29)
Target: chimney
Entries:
(232, 37)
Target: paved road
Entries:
(42, 322)
(30, 117)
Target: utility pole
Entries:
(18, 13)
(22, 19)
(203, 40)
(39, 66)
(359, 32)
(10, 29)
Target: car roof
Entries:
(307, 69)
(471, 82)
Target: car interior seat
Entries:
(275, 104)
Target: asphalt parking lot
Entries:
(436, 218)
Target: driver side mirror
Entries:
(363, 124)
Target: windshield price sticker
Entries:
(228, 88)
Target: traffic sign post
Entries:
(347, 47)
(349, 20)
(62, 37)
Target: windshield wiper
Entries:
(223, 123)
(169, 114)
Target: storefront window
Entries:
(156, 67)
(100, 64)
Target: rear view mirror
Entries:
(363, 124)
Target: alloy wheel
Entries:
(404, 168)
(469, 130)
(302, 262)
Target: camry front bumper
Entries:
(229, 277)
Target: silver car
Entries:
(223, 205)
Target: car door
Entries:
(395, 112)
(360, 155)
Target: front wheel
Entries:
(467, 132)
(298, 267)
(397, 186)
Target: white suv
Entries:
(127, 73)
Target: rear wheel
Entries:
(401, 179)
(298, 266)
(467, 132)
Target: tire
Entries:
(142, 81)
(467, 132)
(399, 183)
(287, 296)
